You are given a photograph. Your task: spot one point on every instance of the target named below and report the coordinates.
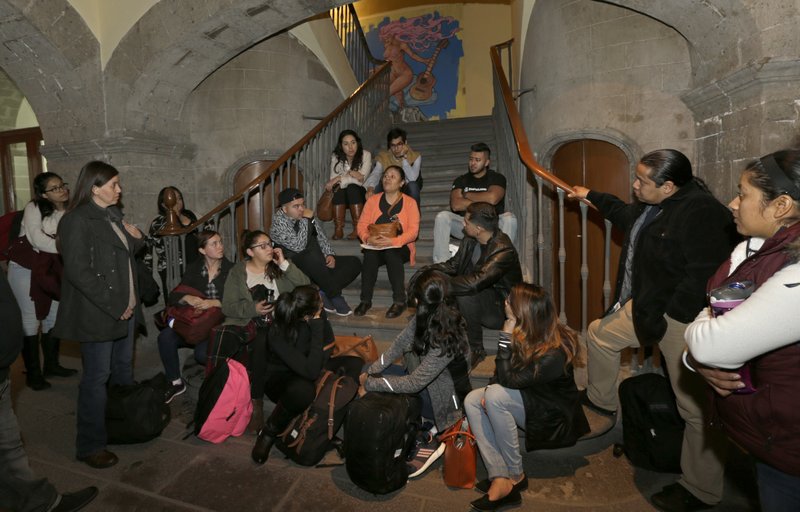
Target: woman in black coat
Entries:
(533, 388)
(99, 304)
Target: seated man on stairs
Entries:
(297, 232)
(399, 153)
(480, 184)
(483, 271)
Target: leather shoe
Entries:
(362, 308)
(483, 485)
(72, 501)
(484, 504)
(675, 498)
(262, 447)
(395, 310)
(100, 460)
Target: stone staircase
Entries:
(445, 149)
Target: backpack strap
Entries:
(332, 405)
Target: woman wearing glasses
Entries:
(265, 266)
(35, 277)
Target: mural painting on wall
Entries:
(424, 54)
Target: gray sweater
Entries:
(429, 372)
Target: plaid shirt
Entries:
(282, 232)
(211, 288)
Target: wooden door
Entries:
(20, 162)
(600, 166)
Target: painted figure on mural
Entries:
(413, 46)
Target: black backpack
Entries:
(652, 429)
(137, 413)
(379, 433)
(309, 436)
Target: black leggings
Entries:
(295, 393)
(351, 194)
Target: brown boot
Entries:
(338, 221)
(355, 213)
(257, 419)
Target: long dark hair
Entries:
(93, 174)
(163, 209)
(671, 165)
(358, 158)
(538, 330)
(46, 206)
(292, 308)
(440, 324)
(273, 271)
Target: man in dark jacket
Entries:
(20, 489)
(676, 236)
(483, 271)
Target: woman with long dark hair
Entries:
(533, 387)
(36, 286)
(206, 276)
(296, 358)
(99, 300)
(350, 165)
(751, 355)
(265, 267)
(155, 243)
(435, 350)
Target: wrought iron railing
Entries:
(514, 154)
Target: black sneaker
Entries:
(595, 408)
(675, 498)
(174, 390)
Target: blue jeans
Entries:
(495, 428)
(169, 342)
(448, 224)
(778, 491)
(105, 362)
(20, 489)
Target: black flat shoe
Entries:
(483, 486)
(395, 310)
(362, 308)
(73, 501)
(484, 504)
(595, 408)
(675, 498)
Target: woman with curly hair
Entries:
(435, 349)
(533, 387)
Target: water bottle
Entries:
(270, 300)
(724, 299)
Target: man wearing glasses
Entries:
(295, 230)
(401, 155)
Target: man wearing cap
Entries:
(303, 241)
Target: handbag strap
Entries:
(395, 203)
(332, 405)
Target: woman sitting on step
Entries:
(350, 165)
(435, 350)
(533, 388)
(265, 266)
(394, 209)
(295, 360)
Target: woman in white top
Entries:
(29, 278)
(350, 165)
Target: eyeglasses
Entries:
(63, 186)
(263, 245)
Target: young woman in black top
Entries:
(296, 358)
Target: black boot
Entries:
(33, 368)
(272, 428)
(50, 348)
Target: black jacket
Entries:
(498, 268)
(10, 327)
(675, 254)
(554, 417)
(304, 356)
(96, 287)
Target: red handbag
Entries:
(192, 324)
(460, 456)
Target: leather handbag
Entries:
(388, 229)
(325, 204)
(192, 324)
(364, 348)
(460, 455)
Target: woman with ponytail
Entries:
(435, 349)
(533, 387)
(262, 267)
(295, 359)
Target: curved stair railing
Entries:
(515, 155)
